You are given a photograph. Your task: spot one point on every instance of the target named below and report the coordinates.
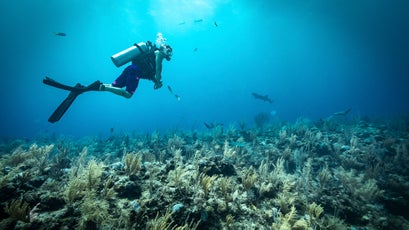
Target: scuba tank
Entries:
(129, 54)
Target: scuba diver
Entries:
(146, 63)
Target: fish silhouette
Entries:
(261, 97)
(61, 34)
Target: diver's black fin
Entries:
(63, 107)
(77, 88)
(75, 91)
(92, 87)
(54, 83)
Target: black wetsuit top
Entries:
(147, 63)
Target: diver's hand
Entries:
(158, 85)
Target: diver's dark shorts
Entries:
(129, 78)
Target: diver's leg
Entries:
(115, 90)
(132, 81)
(120, 81)
(116, 86)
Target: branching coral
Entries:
(282, 134)
(17, 157)
(304, 179)
(261, 119)
(314, 214)
(249, 179)
(94, 174)
(108, 192)
(175, 142)
(365, 190)
(289, 221)
(19, 210)
(315, 210)
(264, 170)
(177, 177)
(284, 201)
(41, 155)
(225, 186)
(75, 189)
(278, 174)
(132, 163)
(161, 222)
(83, 180)
(177, 155)
(324, 177)
(165, 222)
(128, 194)
(35, 156)
(229, 221)
(333, 222)
(286, 198)
(206, 182)
(228, 152)
(284, 222)
(369, 191)
(93, 210)
(83, 187)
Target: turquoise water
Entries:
(313, 58)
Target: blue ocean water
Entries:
(313, 58)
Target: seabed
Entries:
(327, 174)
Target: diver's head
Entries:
(160, 40)
(164, 48)
(167, 51)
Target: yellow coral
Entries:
(177, 176)
(249, 179)
(94, 210)
(225, 186)
(300, 224)
(94, 174)
(82, 180)
(18, 209)
(229, 221)
(160, 222)
(207, 182)
(132, 163)
(315, 210)
(228, 153)
(75, 188)
(285, 222)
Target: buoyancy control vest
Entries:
(141, 54)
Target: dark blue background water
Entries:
(313, 58)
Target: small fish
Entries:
(195, 49)
(215, 24)
(198, 20)
(213, 125)
(342, 113)
(182, 23)
(261, 97)
(209, 126)
(61, 34)
(338, 114)
(171, 91)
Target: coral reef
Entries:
(330, 174)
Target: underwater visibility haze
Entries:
(272, 115)
(312, 58)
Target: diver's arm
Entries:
(158, 63)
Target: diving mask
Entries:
(167, 50)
